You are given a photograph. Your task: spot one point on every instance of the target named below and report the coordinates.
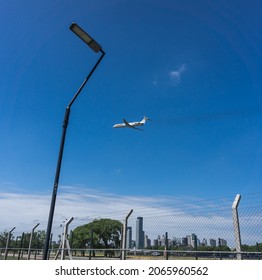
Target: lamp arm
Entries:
(86, 79)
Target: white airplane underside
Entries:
(131, 124)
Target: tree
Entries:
(3, 238)
(252, 248)
(106, 234)
(37, 240)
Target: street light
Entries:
(96, 48)
(85, 37)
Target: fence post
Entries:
(91, 244)
(236, 226)
(166, 245)
(21, 246)
(30, 241)
(7, 243)
(15, 247)
(220, 248)
(64, 244)
(195, 243)
(124, 236)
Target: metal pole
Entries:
(65, 238)
(86, 79)
(21, 246)
(57, 175)
(60, 156)
(91, 244)
(236, 225)
(50, 246)
(68, 249)
(124, 237)
(15, 246)
(195, 242)
(7, 242)
(30, 241)
(220, 248)
(166, 245)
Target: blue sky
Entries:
(193, 67)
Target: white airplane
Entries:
(131, 124)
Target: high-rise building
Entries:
(140, 235)
(184, 241)
(193, 240)
(204, 242)
(212, 242)
(176, 241)
(147, 242)
(129, 238)
(222, 242)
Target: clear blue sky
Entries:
(193, 67)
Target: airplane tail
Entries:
(144, 120)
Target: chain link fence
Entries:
(184, 229)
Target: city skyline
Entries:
(142, 241)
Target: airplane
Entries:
(132, 124)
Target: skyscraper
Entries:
(129, 238)
(140, 235)
(212, 242)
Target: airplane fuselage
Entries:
(121, 125)
(131, 124)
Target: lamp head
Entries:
(85, 37)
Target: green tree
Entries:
(37, 240)
(3, 238)
(106, 234)
(252, 248)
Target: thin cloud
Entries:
(175, 215)
(175, 75)
(84, 204)
(118, 170)
(21, 210)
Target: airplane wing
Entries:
(128, 125)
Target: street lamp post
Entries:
(96, 48)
